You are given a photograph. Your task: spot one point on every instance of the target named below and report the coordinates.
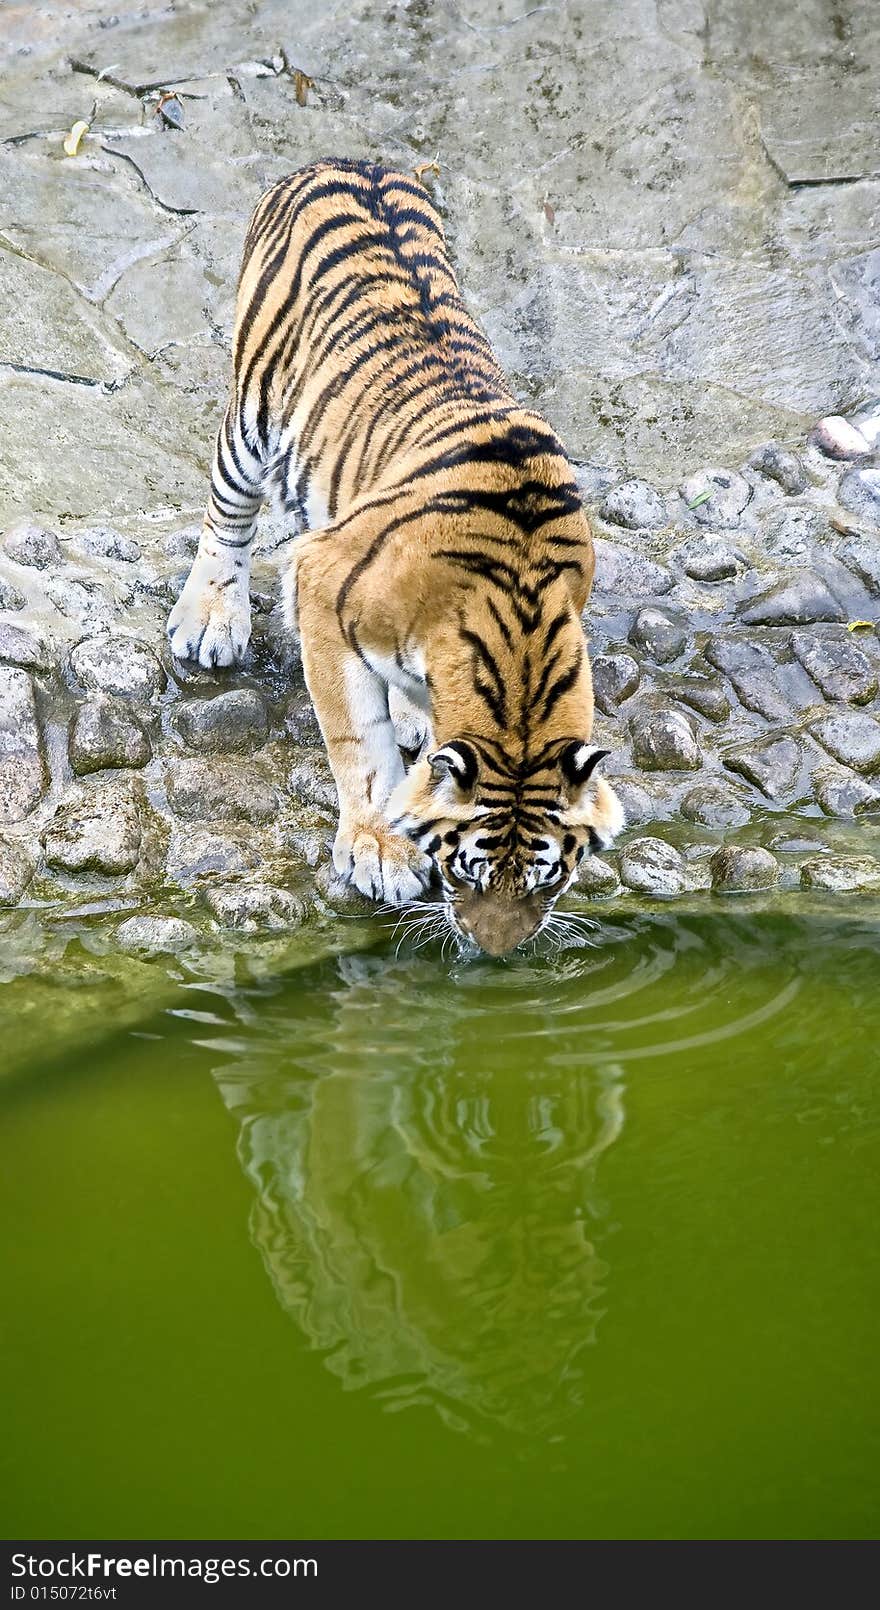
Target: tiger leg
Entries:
(351, 703)
(211, 621)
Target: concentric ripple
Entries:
(426, 1142)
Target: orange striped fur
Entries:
(444, 555)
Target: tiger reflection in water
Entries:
(430, 1230)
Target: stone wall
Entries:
(665, 216)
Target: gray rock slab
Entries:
(221, 790)
(255, 907)
(151, 936)
(800, 598)
(841, 874)
(794, 531)
(16, 871)
(615, 678)
(859, 491)
(23, 778)
(660, 636)
(837, 666)
(823, 131)
(634, 504)
(83, 601)
(668, 235)
(103, 542)
(771, 337)
(162, 299)
(32, 546)
(234, 721)
(639, 806)
(310, 840)
(117, 665)
(707, 558)
(97, 831)
(712, 805)
(664, 740)
(104, 733)
(19, 645)
(781, 466)
(754, 675)
(656, 421)
(840, 793)
(141, 447)
(772, 764)
(861, 554)
(11, 597)
(92, 218)
(201, 852)
(852, 737)
(216, 178)
(651, 866)
(717, 498)
(45, 325)
(624, 575)
(743, 869)
(700, 693)
(311, 781)
(856, 281)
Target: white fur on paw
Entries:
(210, 625)
(382, 864)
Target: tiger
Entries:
(442, 555)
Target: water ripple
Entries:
(425, 1144)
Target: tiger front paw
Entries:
(211, 622)
(381, 864)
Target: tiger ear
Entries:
(457, 760)
(578, 761)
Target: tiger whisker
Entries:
(568, 928)
(433, 925)
(412, 923)
(401, 922)
(418, 918)
(432, 933)
(414, 912)
(404, 939)
(575, 920)
(422, 926)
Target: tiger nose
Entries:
(497, 924)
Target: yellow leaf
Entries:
(422, 168)
(72, 140)
(301, 86)
(860, 626)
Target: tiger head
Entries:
(506, 841)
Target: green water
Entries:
(583, 1247)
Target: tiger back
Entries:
(444, 553)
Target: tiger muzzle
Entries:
(497, 922)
